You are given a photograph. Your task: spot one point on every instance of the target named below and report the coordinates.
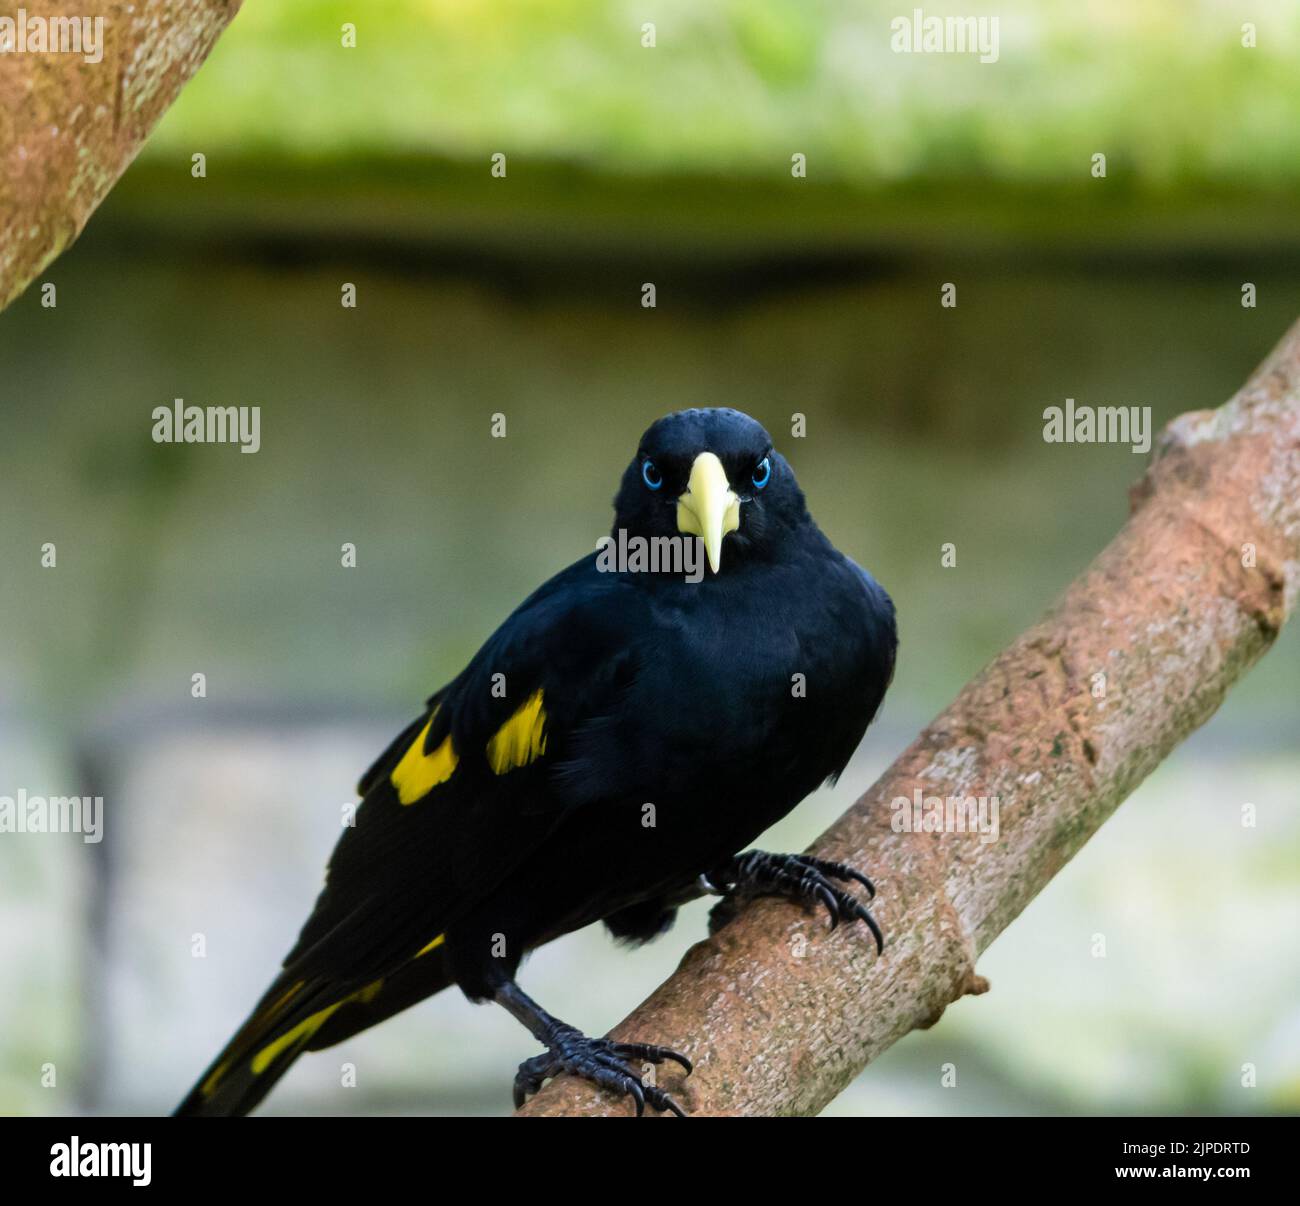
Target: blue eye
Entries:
(763, 474)
(651, 475)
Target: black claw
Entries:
(841, 871)
(661, 1101)
(601, 1062)
(653, 1053)
(800, 877)
(865, 916)
(531, 1074)
(858, 877)
(827, 897)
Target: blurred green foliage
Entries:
(1165, 88)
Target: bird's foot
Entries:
(601, 1061)
(797, 877)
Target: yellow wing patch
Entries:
(218, 1074)
(419, 773)
(303, 1031)
(522, 738)
(209, 1086)
(429, 946)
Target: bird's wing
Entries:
(457, 801)
(472, 786)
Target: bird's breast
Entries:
(760, 684)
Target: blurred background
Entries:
(627, 164)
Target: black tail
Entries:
(303, 1015)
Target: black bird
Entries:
(603, 757)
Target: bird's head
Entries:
(711, 473)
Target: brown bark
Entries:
(69, 128)
(779, 1013)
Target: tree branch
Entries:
(69, 127)
(779, 1013)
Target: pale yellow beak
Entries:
(709, 508)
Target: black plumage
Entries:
(605, 756)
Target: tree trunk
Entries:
(68, 127)
(780, 1014)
